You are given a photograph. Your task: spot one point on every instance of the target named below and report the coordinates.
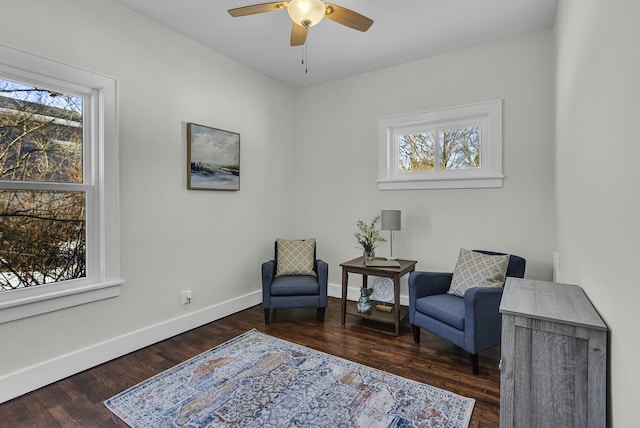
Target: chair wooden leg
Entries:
(474, 363)
(320, 314)
(416, 333)
(266, 315)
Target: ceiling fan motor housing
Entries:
(306, 13)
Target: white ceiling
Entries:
(403, 31)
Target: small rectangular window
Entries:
(457, 148)
(451, 148)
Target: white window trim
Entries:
(488, 115)
(103, 279)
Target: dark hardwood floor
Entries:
(77, 401)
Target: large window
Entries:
(450, 148)
(42, 213)
(59, 244)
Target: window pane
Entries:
(416, 152)
(42, 237)
(40, 134)
(460, 148)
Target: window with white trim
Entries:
(59, 191)
(458, 147)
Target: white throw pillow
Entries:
(476, 269)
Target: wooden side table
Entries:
(395, 273)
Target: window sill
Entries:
(36, 302)
(442, 183)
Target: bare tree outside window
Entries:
(457, 148)
(42, 216)
(416, 152)
(460, 148)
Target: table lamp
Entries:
(390, 220)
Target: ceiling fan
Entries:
(306, 14)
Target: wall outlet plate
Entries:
(186, 297)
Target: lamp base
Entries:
(392, 258)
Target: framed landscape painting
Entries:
(213, 158)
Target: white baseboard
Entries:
(31, 378)
(34, 377)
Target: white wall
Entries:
(598, 203)
(172, 238)
(336, 152)
(315, 178)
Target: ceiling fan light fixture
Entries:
(306, 12)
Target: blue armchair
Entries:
(472, 322)
(294, 291)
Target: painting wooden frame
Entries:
(213, 158)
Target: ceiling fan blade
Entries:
(347, 17)
(298, 35)
(258, 8)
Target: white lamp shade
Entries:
(390, 220)
(311, 11)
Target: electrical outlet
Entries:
(186, 297)
(556, 266)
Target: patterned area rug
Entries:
(256, 380)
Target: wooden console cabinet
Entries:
(554, 351)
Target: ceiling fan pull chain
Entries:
(305, 59)
(306, 56)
